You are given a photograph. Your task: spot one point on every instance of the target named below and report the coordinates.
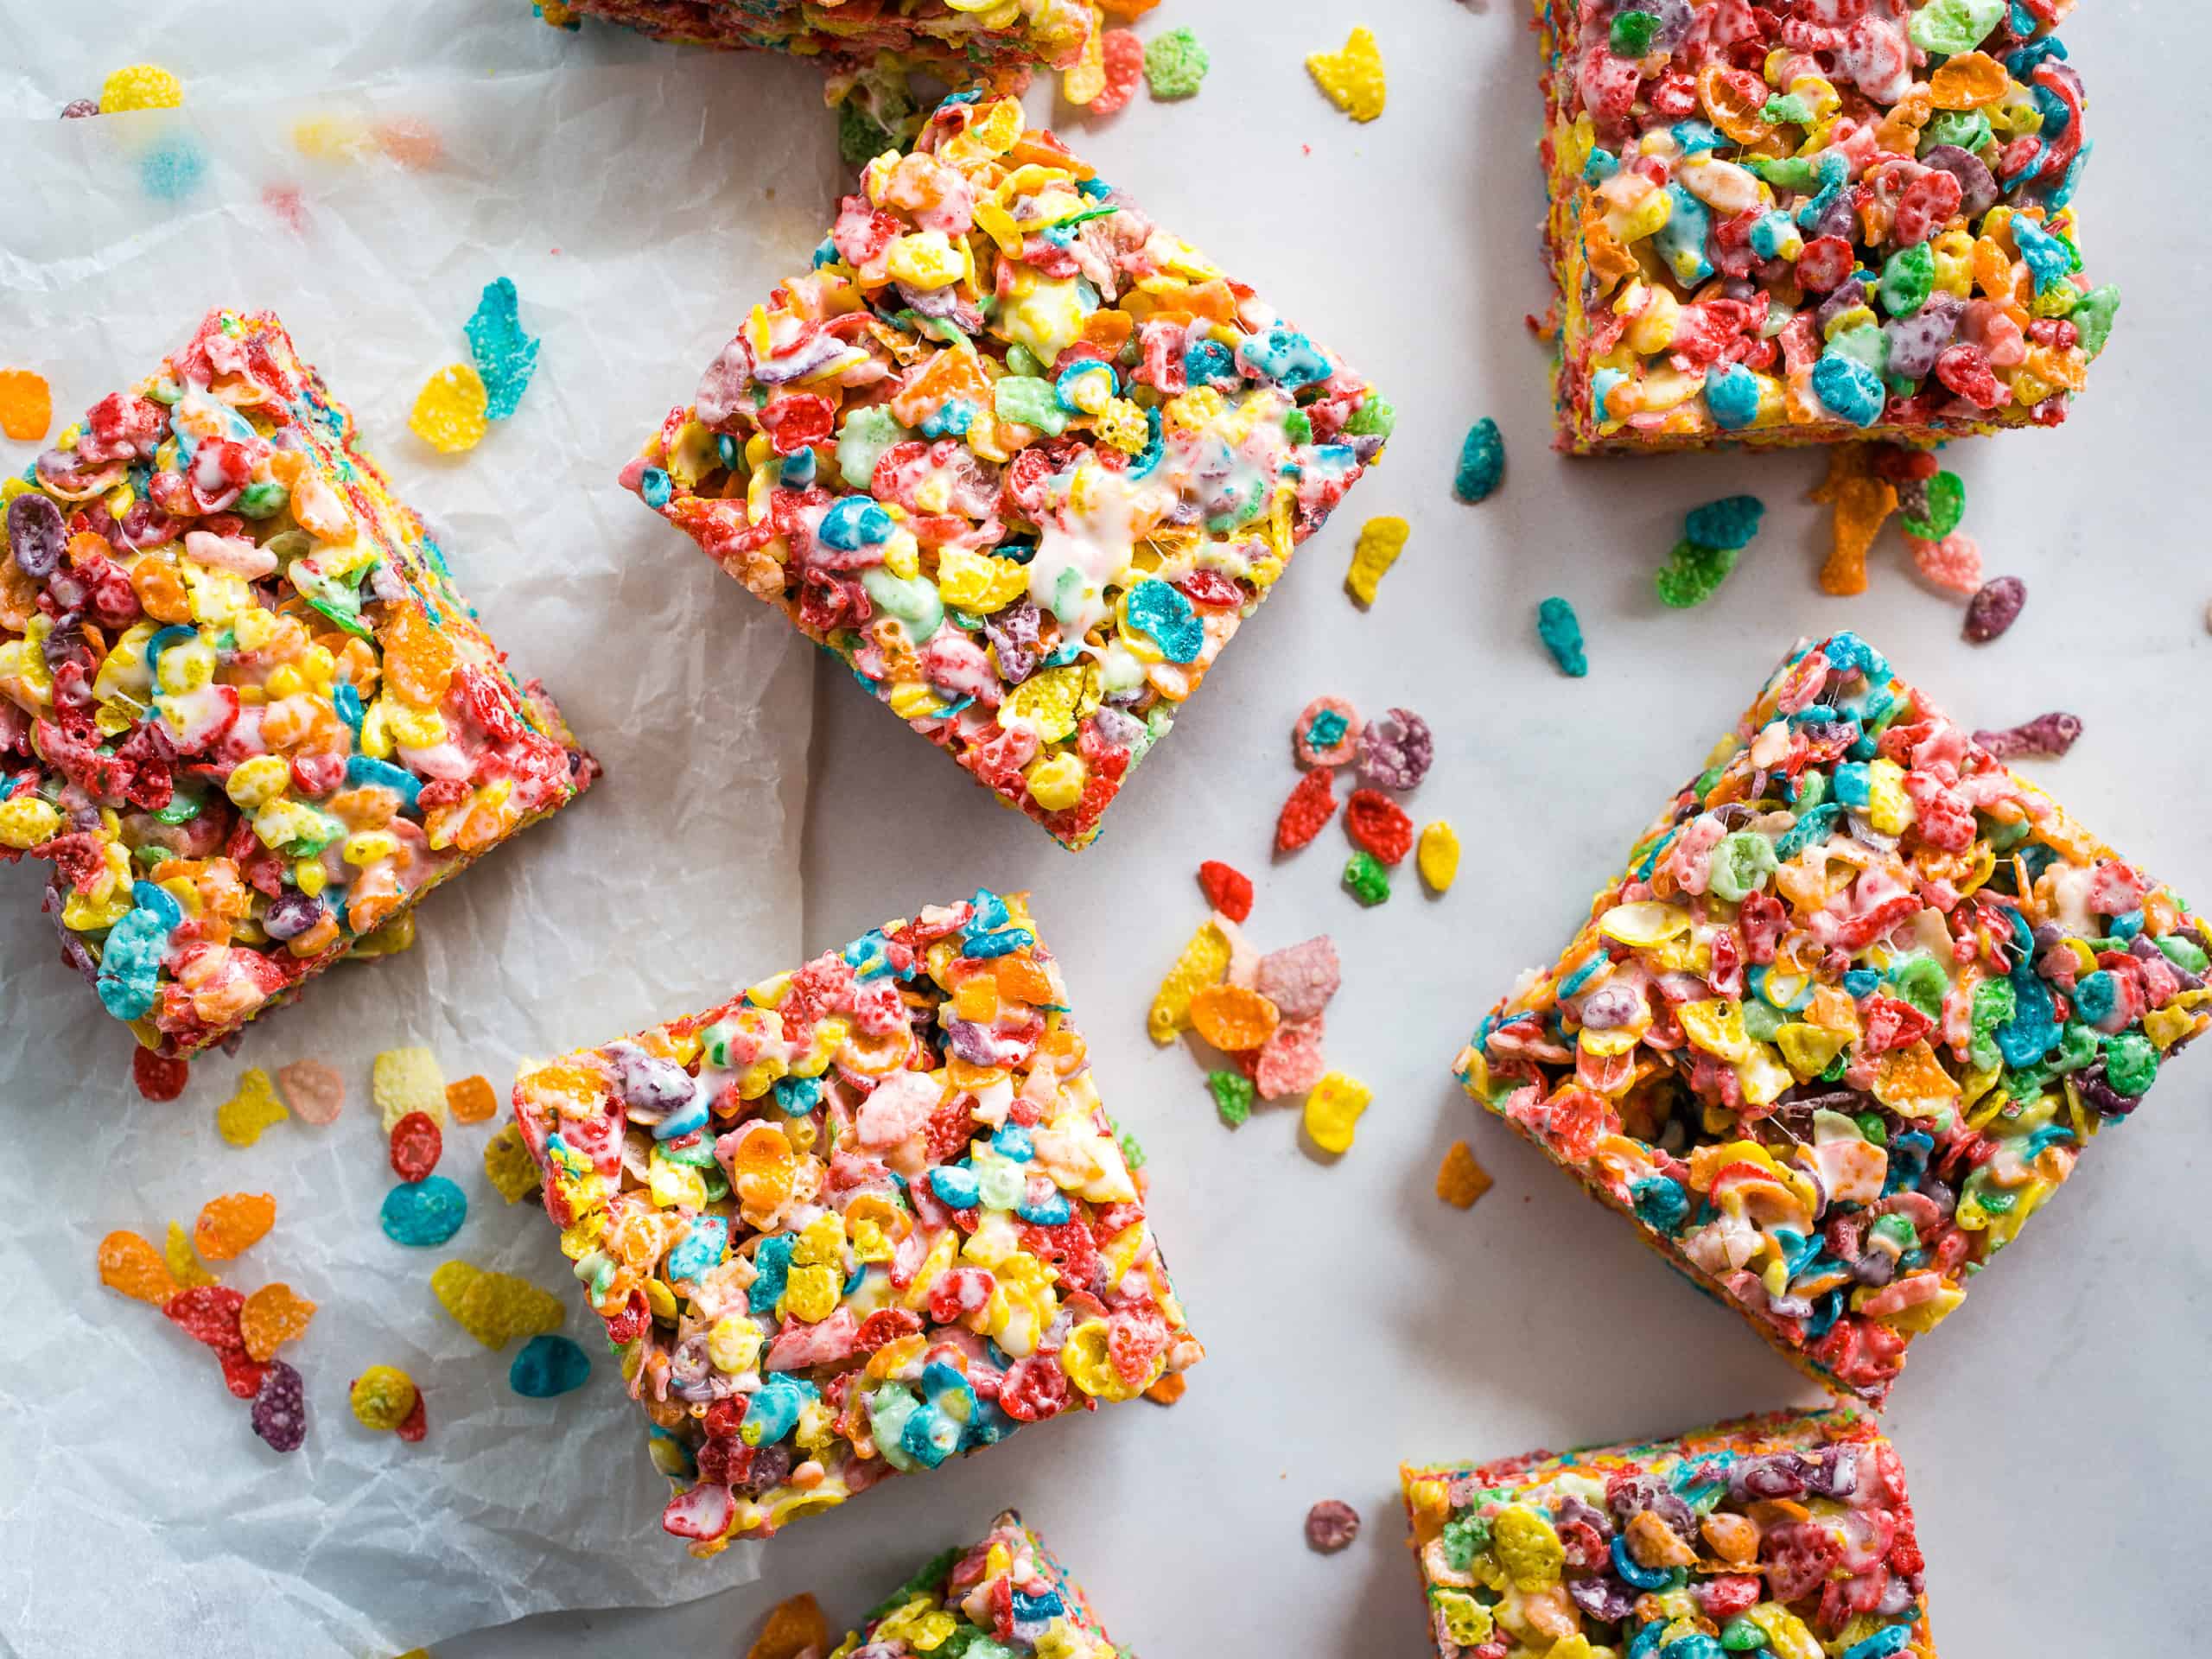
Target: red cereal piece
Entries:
(159, 1077)
(243, 1375)
(413, 1426)
(1124, 55)
(209, 1314)
(1311, 805)
(1228, 889)
(417, 1145)
(1376, 821)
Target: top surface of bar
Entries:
(1004, 1594)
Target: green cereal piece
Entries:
(1908, 278)
(1376, 417)
(1175, 65)
(1968, 129)
(1233, 1093)
(2093, 315)
(862, 440)
(1365, 878)
(1631, 33)
(1693, 573)
(1024, 400)
(1946, 505)
(1562, 632)
(1132, 1150)
(1951, 27)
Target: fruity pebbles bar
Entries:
(1858, 1003)
(858, 1219)
(1806, 221)
(1020, 458)
(1788, 1536)
(243, 713)
(1006, 1594)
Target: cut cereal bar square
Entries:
(243, 713)
(857, 1220)
(1022, 460)
(1859, 1000)
(1005, 1593)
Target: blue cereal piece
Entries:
(506, 356)
(854, 522)
(1731, 396)
(1482, 463)
(548, 1366)
(704, 1245)
(1162, 611)
(1731, 522)
(131, 961)
(1285, 357)
(1847, 388)
(424, 1213)
(1562, 632)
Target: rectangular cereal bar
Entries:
(855, 1220)
(1788, 1536)
(1859, 1001)
(1020, 458)
(243, 711)
(1793, 225)
(1006, 1594)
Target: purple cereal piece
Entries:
(1300, 979)
(1603, 1597)
(1918, 341)
(1995, 608)
(1977, 187)
(1847, 293)
(1331, 1525)
(280, 1409)
(1014, 633)
(1395, 752)
(2046, 737)
(78, 108)
(35, 533)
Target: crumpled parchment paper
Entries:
(640, 205)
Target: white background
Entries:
(2053, 1430)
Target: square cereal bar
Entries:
(1795, 224)
(243, 711)
(1859, 1001)
(1004, 1594)
(1021, 459)
(856, 1219)
(1788, 1536)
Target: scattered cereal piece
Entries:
(1352, 79)
(1862, 503)
(77, 109)
(1995, 608)
(424, 1213)
(26, 405)
(280, 1408)
(1693, 573)
(494, 1307)
(412, 142)
(1168, 1389)
(405, 1080)
(1311, 805)
(548, 1366)
(232, 1224)
(1333, 1109)
(449, 412)
(1234, 1019)
(1954, 564)
(241, 1119)
(1729, 522)
(184, 1265)
(506, 356)
(315, 1092)
(1380, 825)
(1227, 888)
(1300, 979)
(1232, 1096)
(394, 937)
(1127, 10)
(795, 1629)
(1560, 630)
(1292, 1061)
(1175, 65)
(508, 1164)
(159, 1077)
(1132, 1150)
(272, 1316)
(382, 1396)
(1366, 880)
(1460, 1179)
(209, 1315)
(1121, 58)
(1203, 962)
(1482, 463)
(2047, 737)
(131, 1265)
(1395, 751)
(1328, 732)
(1085, 78)
(1381, 541)
(1933, 508)
(1331, 1525)
(416, 1424)
(417, 1144)
(243, 1375)
(1439, 857)
(172, 169)
(140, 86)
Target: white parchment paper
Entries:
(640, 212)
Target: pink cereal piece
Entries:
(1954, 564)
(1290, 1061)
(1243, 959)
(315, 1093)
(1300, 979)
(1331, 1525)
(1338, 753)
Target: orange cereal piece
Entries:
(1127, 9)
(1233, 1019)
(1968, 81)
(1460, 1179)
(228, 1224)
(471, 1100)
(411, 142)
(1862, 504)
(131, 1265)
(795, 1628)
(272, 1316)
(418, 660)
(1168, 1389)
(26, 405)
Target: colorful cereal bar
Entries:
(1022, 460)
(855, 1220)
(1858, 1003)
(243, 711)
(1788, 1536)
(1004, 1594)
(1806, 221)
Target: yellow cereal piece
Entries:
(241, 1119)
(1459, 1180)
(977, 582)
(448, 412)
(184, 1263)
(494, 1307)
(508, 1164)
(382, 1396)
(140, 86)
(405, 1080)
(1381, 541)
(1352, 79)
(1333, 1109)
(1203, 961)
(1437, 857)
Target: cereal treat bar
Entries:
(855, 1220)
(1809, 221)
(243, 713)
(1004, 1595)
(1022, 460)
(1859, 1000)
(1788, 1536)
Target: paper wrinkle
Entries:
(670, 883)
